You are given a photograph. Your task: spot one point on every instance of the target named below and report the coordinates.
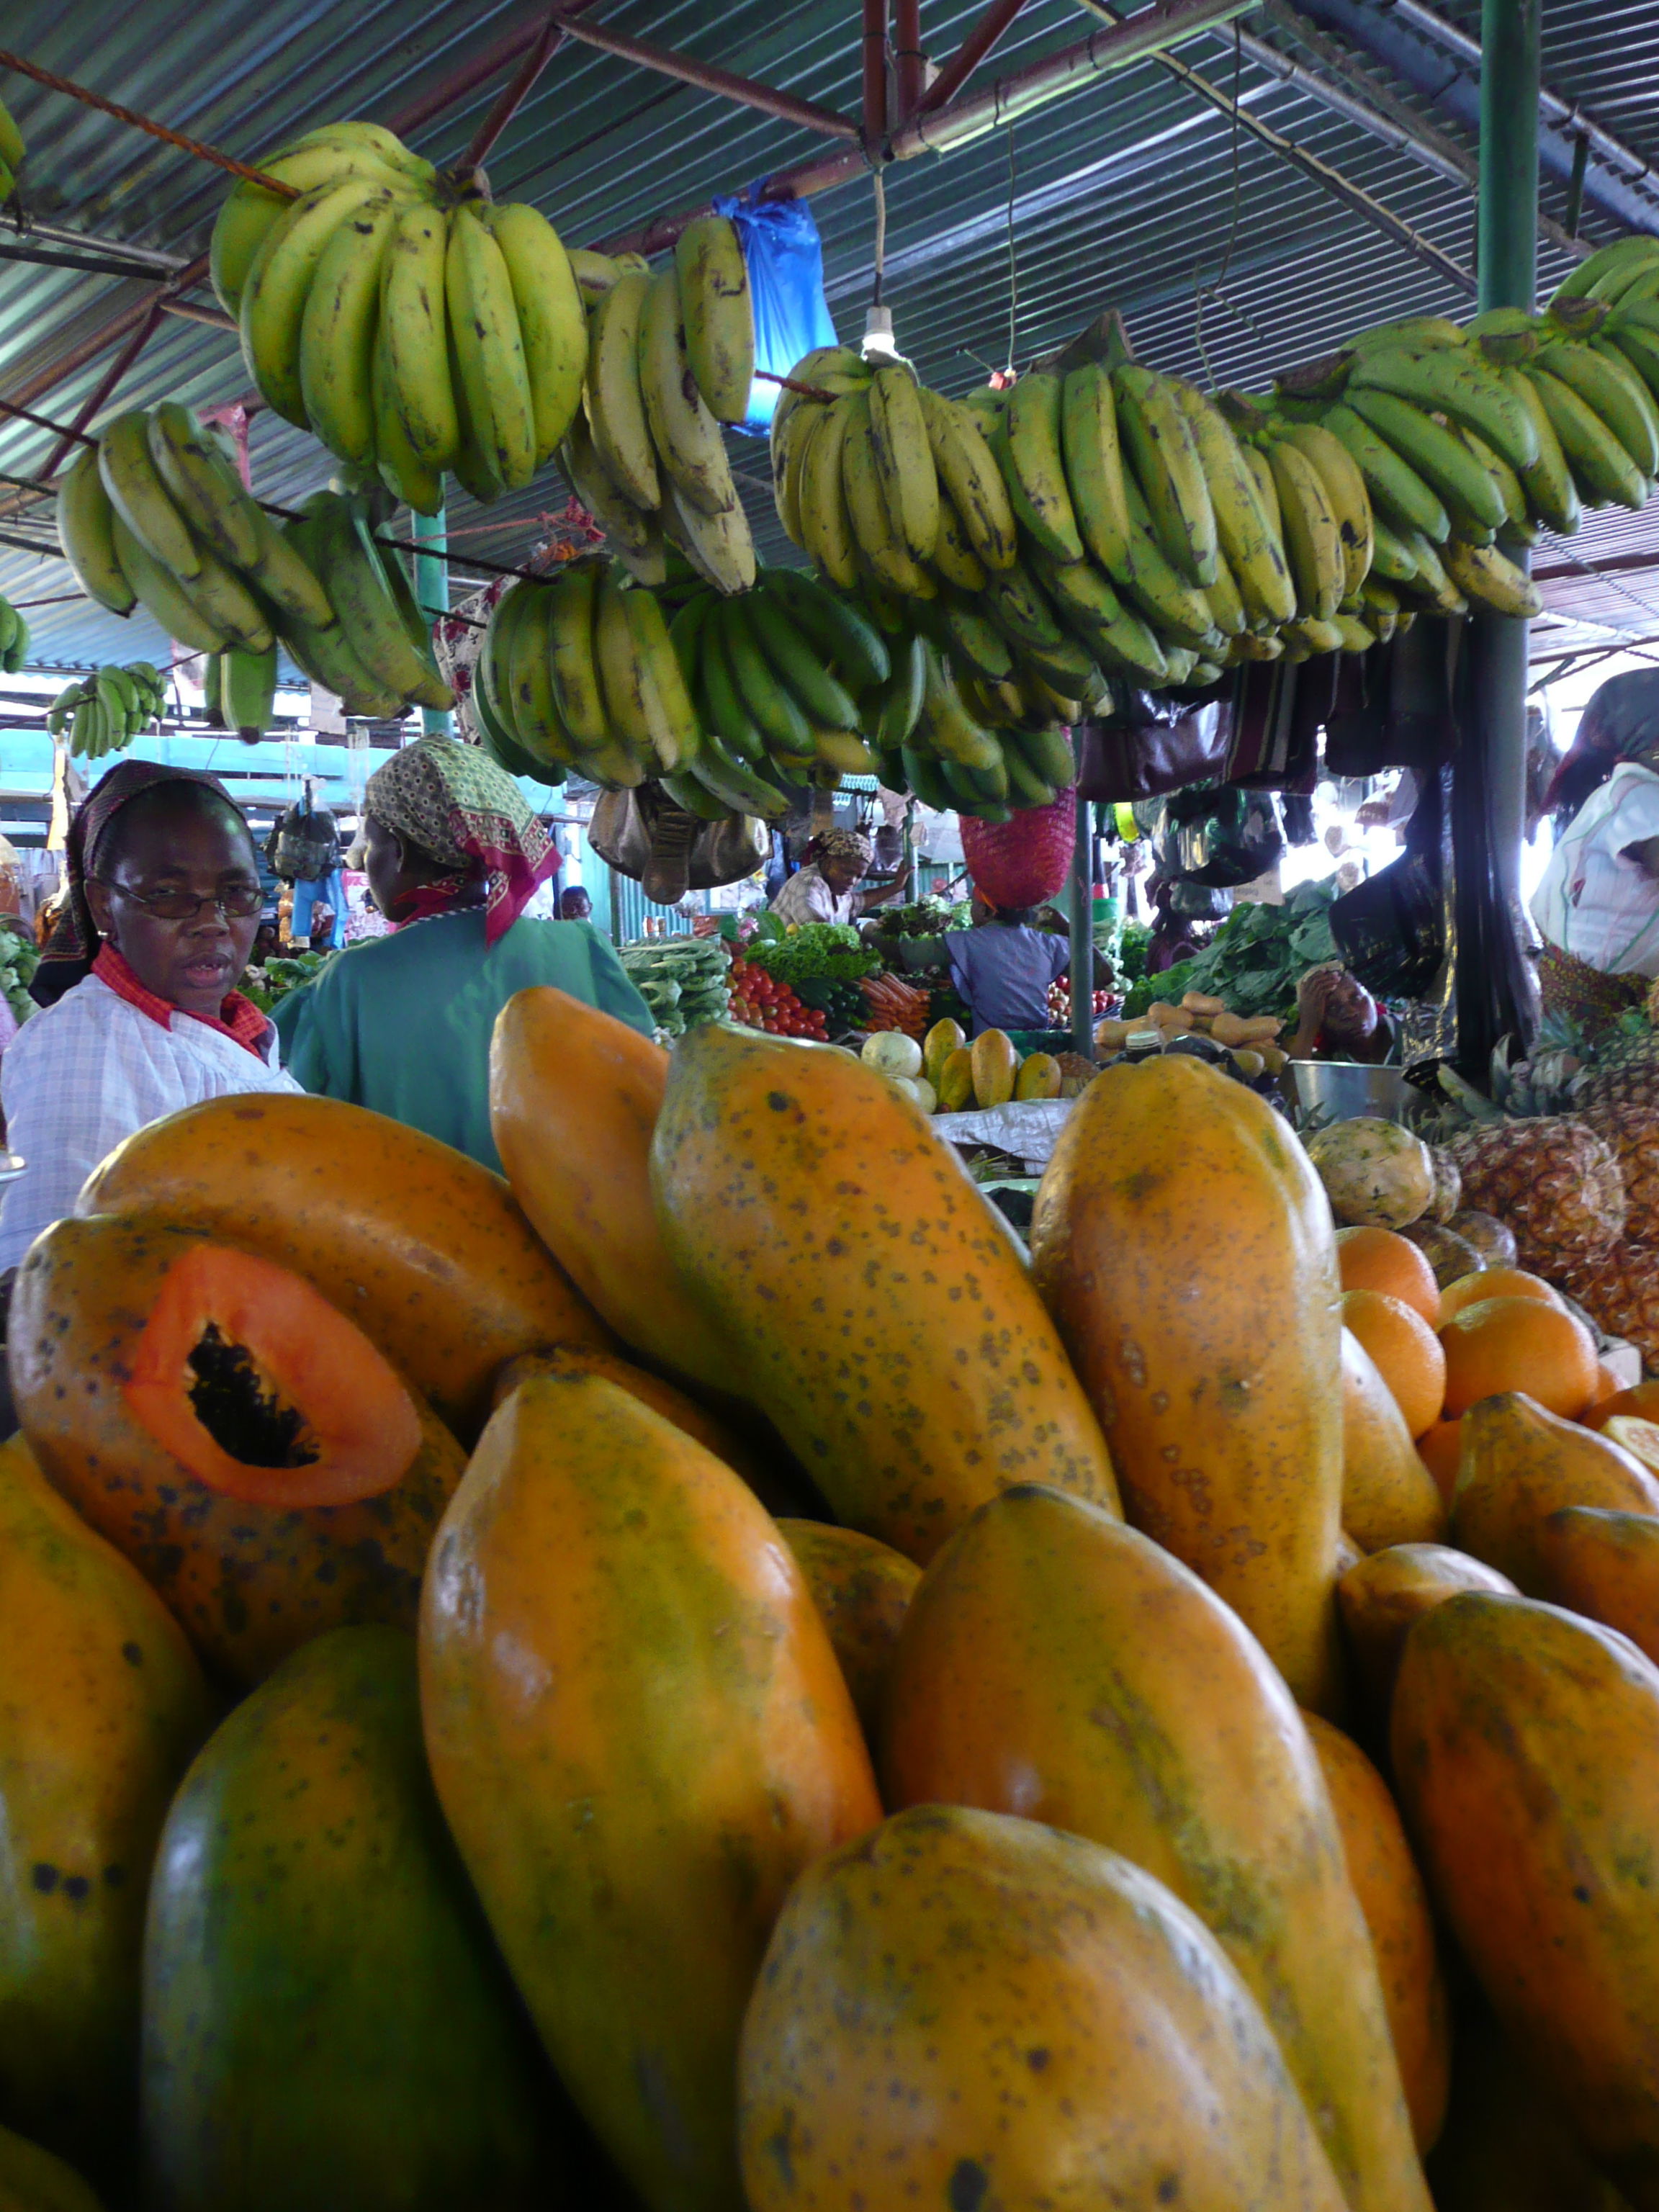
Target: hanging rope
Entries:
(53, 82)
(1198, 287)
(880, 183)
(1013, 262)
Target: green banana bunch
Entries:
(11, 154)
(413, 326)
(14, 638)
(103, 713)
(377, 657)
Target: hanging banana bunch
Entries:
(105, 711)
(11, 154)
(14, 638)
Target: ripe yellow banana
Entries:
(251, 212)
(552, 321)
(274, 295)
(720, 316)
(416, 338)
(484, 321)
(826, 524)
(1345, 492)
(533, 708)
(203, 485)
(1312, 538)
(1029, 448)
(1164, 455)
(953, 556)
(1247, 532)
(573, 666)
(620, 676)
(86, 532)
(690, 447)
(140, 498)
(874, 529)
(718, 546)
(1094, 464)
(904, 458)
(670, 716)
(633, 535)
(337, 330)
(788, 458)
(970, 480)
(404, 472)
(1487, 574)
(161, 595)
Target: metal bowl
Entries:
(1347, 1090)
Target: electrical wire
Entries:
(1013, 259)
(1199, 288)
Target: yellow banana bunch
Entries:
(414, 327)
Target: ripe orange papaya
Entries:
(1056, 1663)
(878, 1307)
(1506, 2148)
(32, 2180)
(1039, 1076)
(326, 2019)
(1389, 1496)
(995, 1066)
(574, 1098)
(1526, 1751)
(1604, 1566)
(1379, 1598)
(640, 1736)
(248, 1574)
(102, 1706)
(944, 1038)
(1395, 1904)
(426, 1251)
(771, 1478)
(979, 2011)
(956, 1083)
(1184, 1245)
(1519, 1465)
(863, 1590)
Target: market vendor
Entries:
(402, 1024)
(1598, 903)
(821, 889)
(1337, 1018)
(1002, 968)
(141, 1015)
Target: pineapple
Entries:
(1621, 1293)
(1631, 1133)
(1624, 1068)
(1546, 1174)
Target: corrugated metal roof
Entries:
(1124, 193)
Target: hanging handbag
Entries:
(1148, 746)
(306, 846)
(644, 835)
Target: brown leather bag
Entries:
(667, 852)
(1147, 748)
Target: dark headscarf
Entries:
(67, 955)
(1620, 723)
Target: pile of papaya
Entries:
(701, 1676)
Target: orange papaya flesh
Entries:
(1379, 1598)
(1524, 1751)
(102, 1706)
(249, 1581)
(574, 1098)
(1395, 1904)
(879, 1308)
(261, 1390)
(612, 1623)
(1056, 1663)
(426, 1250)
(863, 1590)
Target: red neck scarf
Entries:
(239, 1019)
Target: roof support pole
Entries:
(100, 393)
(907, 57)
(875, 77)
(1495, 990)
(971, 53)
(708, 77)
(432, 595)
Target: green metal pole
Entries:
(1080, 915)
(1508, 218)
(432, 590)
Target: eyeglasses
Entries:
(235, 904)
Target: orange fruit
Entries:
(1440, 1449)
(1641, 1399)
(1519, 1343)
(1607, 1385)
(1406, 1350)
(1377, 1259)
(1495, 1283)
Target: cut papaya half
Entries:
(261, 1390)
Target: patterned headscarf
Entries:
(71, 944)
(840, 845)
(460, 810)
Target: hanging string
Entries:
(1198, 288)
(1013, 262)
(880, 183)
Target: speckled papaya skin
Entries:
(326, 2019)
(1606, 1565)
(967, 2010)
(1525, 1753)
(1380, 1597)
(102, 1705)
(248, 1583)
(881, 1313)
(428, 1252)
(1184, 1245)
(863, 1590)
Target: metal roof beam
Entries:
(1166, 23)
(1401, 39)
(708, 77)
(970, 54)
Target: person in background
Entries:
(575, 905)
(323, 932)
(267, 942)
(137, 984)
(1597, 905)
(1171, 938)
(821, 889)
(1337, 1018)
(1002, 967)
(402, 1024)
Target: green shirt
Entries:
(402, 1024)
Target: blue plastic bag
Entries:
(785, 260)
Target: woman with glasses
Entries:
(138, 983)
